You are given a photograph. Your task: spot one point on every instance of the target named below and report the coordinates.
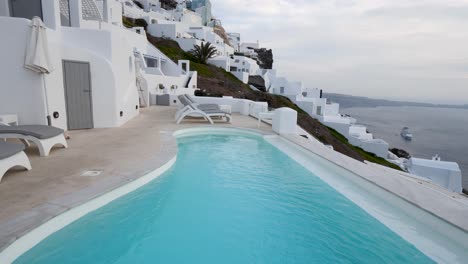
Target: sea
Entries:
(442, 131)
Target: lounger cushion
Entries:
(9, 149)
(37, 131)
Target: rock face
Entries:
(265, 58)
(400, 153)
(258, 82)
(219, 30)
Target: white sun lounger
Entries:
(44, 137)
(203, 107)
(12, 155)
(191, 110)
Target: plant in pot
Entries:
(173, 88)
(161, 88)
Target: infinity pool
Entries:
(228, 199)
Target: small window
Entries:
(319, 110)
(65, 13)
(151, 62)
(281, 90)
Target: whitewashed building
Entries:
(203, 7)
(248, 49)
(102, 72)
(244, 64)
(235, 40)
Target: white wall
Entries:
(332, 109)
(132, 11)
(242, 76)
(312, 92)
(187, 44)
(112, 78)
(172, 31)
(277, 84)
(221, 61)
(189, 17)
(244, 64)
(21, 89)
(445, 174)
(376, 146)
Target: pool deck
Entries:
(55, 184)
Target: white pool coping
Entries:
(35, 236)
(431, 235)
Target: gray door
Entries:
(78, 97)
(26, 8)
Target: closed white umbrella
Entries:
(37, 56)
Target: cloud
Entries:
(362, 47)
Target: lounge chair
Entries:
(192, 110)
(201, 106)
(44, 137)
(186, 101)
(12, 155)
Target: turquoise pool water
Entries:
(228, 199)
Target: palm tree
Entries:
(203, 52)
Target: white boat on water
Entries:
(406, 134)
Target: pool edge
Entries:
(26, 242)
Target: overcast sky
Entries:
(414, 49)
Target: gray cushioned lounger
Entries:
(9, 149)
(37, 131)
(190, 100)
(44, 137)
(12, 155)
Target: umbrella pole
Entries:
(46, 101)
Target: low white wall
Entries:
(242, 76)
(187, 44)
(162, 30)
(343, 129)
(449, 179)
(285, 121)
(378, 147)
(308, 107)
(222, 63)
(331, 109)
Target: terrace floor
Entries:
(55, 184)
